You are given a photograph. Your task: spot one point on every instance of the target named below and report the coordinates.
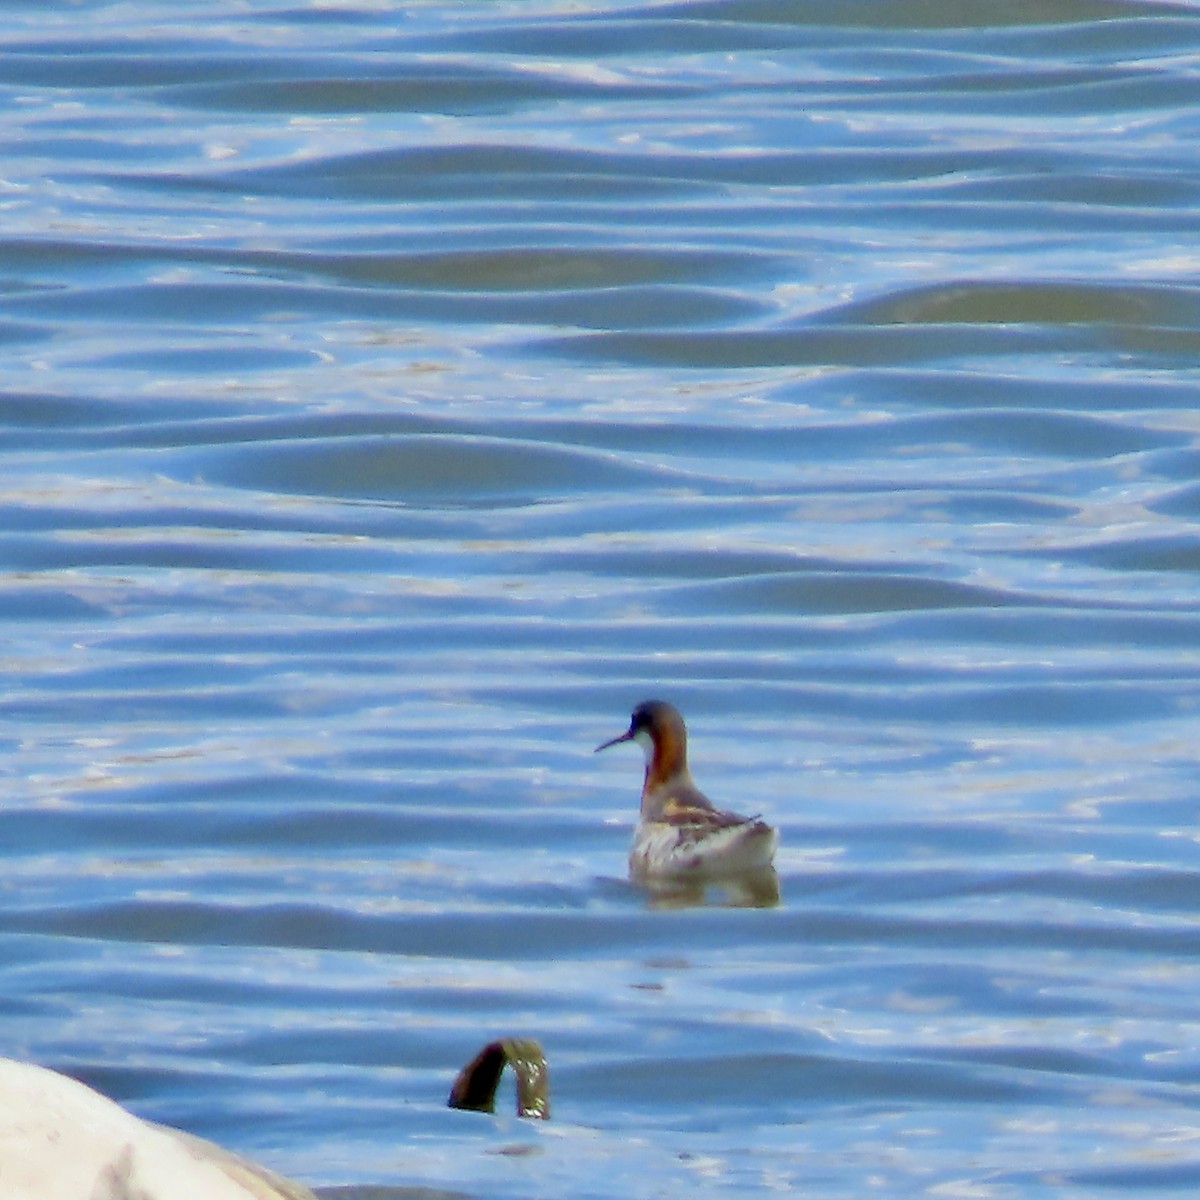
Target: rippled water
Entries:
(393, 395)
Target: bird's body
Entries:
(681, 834)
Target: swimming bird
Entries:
(681, 834)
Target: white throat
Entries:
(646, 742)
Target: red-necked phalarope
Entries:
(680, 832)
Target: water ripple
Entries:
(391, 400)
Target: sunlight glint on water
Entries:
(392, 399)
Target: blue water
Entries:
(393, 395)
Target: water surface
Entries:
(393, 395)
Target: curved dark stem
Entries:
(475, 1087)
